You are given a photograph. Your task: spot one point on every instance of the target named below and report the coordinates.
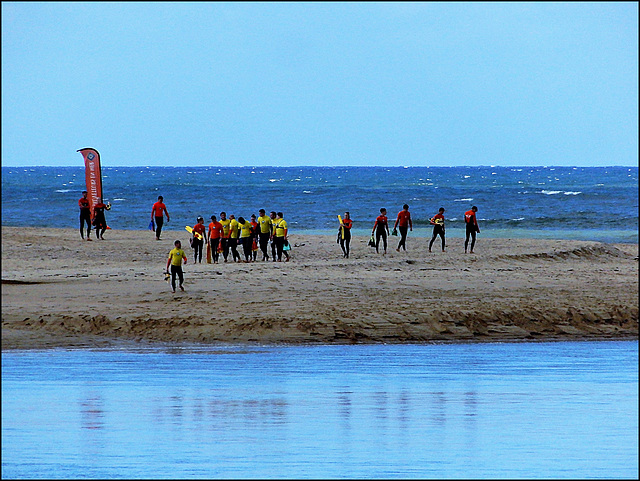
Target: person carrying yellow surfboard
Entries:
(345, 233)
(198, 240)
(438, 227)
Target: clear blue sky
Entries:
(282, 84)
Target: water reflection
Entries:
(552, 410)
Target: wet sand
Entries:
(60, 291)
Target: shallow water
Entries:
(526, 410)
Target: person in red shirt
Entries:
(215, 233)
(85, 215)
(381, 229)
(438, 227)
(472, 227)
(198, 243)
(404, 221)
(99, 220)
(344, 233)
(157, 212)
(255, 230)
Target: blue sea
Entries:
(581, 203)
(566, 410)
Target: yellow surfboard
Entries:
(341, 228)
(189, 229)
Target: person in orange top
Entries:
(381, 229)
(197, 244)
(157, 212)
(472, 227)
(255, 230)
(215, 233)
(404, 221)
(85, 215)
(438, 227)
(344, 233)
(99, 220)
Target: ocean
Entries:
(581, 203)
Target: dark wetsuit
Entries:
(85, 216)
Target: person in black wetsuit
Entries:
(85, 215)
(438, 227)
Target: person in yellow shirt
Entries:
(246, 239)
(176, 257)
(224, 239)
(281, 236)
(264, 234)
(234, 230)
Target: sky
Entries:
(320, 84)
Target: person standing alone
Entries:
(438, 227)
(157, 214)
(85, 215)
(472, 227)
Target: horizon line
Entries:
(333, 166)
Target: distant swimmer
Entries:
(344, 233)
(176, 257)
(438, 227)
(85, 215)
(472, 227)
(381, 229)
(403, 222)
(157, 214)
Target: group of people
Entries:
(225, 234)
(404, 224)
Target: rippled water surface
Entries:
(534, 410)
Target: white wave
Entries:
(306, 191)
(463, 200)
(518, 219)
(63, 190)
(572, 193)
(550, 192)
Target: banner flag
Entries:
(92, 175)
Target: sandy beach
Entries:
(60, 291)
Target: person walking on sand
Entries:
(198, 243)
(438, 227)
(344, 233)
(157, 214)
(403, 221)
(234, 232)
(226, 231)
(246, 238)
(264, 233)
(281, 237)
(99, 220)
(215, 233)
(472, 227)
(176, 257)
(381, 229)
(255, 229)
(85, 215)
(272, 237)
